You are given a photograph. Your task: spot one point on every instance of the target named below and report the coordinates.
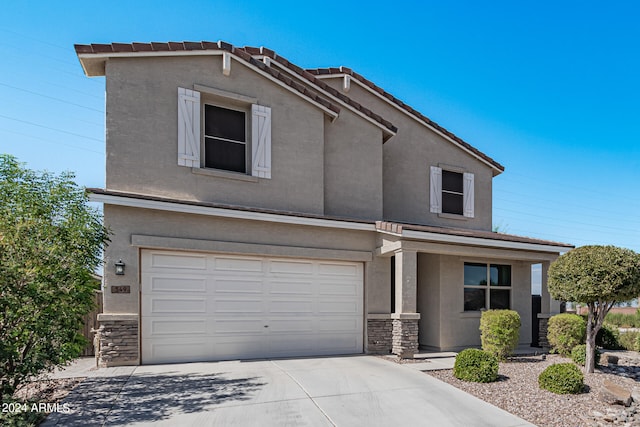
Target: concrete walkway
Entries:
(330, 391)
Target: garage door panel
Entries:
(286, 326)
(337, 307)
(173, 326)
(177, 350)
(239, 285)
(176, 283)
(335, 269)
(294, 287)
(338, 325)
(178, 261)
(291, 267)
(238, 306)
(217, 307)
(161, 305)
(239, 326)
(245, 265)
(339, 288)
(297, 306)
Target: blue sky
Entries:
(548, 89)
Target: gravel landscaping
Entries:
(517, 392)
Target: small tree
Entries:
(50, 244)
(598, 276)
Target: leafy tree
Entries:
(598, 276)
(50, 244)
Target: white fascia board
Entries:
(422, 122)
(227, 213)
(107, 55)
(477, 241)
(341, 102)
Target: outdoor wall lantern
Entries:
(120, 268)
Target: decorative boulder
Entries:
(613, 394)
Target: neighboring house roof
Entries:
(409, 231)
(93, 56)
(345, 71)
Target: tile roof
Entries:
(398, 228)
(407, 108)
(116, 48)
(393, 227)
(262, 51)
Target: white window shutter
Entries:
(261, 141)
(468, 195)
(436, 189)
(188, 128)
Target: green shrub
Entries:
(579, 354)
(608, 337)
(476, 366)
(627, 340)
(636, 346)
(565, 331)
(622, 320)
(562, 378)
(499, 332)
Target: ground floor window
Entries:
(486, 286)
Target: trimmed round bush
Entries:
(562, 378)
(566, 331)
(579, 355)
(608, 337)
(499, 332)
(476, 366)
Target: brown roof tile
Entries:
(206, 45)
(317, 82)
(414, 112)
(398, 228)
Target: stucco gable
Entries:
(345, 72)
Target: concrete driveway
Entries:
(328, 391)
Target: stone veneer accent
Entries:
(543, 341)
(405, 337)
(379, 332)
(117, 343)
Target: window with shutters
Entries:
(233, 136)
(225, 139)
(451, 192)
(486, 286)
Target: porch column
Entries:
(405, 318)
(549, 307)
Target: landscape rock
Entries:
(607, 359)
(613, 394)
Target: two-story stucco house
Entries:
(265, 210)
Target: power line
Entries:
(51, 97)
(48, 141)
(50, 128)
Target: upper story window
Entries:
(222, 142)
(225, 139)
(451, 192)
(486, 286)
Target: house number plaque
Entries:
(121, 289)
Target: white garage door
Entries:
(198, 307)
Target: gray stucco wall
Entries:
(429, 305)
(142, 135)
(318, 166)
(407, 159)
(199, 229)
(353, 168)
(459, 329)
